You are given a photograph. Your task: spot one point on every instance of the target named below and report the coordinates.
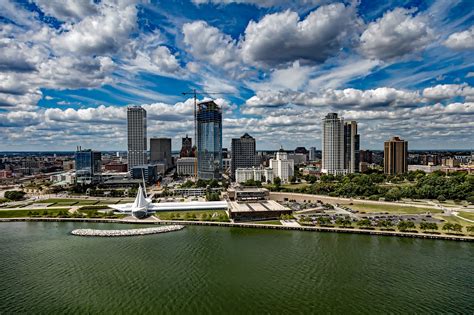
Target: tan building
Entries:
(395, 156)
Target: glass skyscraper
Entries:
(209, 140)
(88, 164)
(136, 129)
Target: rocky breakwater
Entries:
(130, 232)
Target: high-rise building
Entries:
(333, 145)
(88, 165)
(186, 147)
(209, 140)
(136, 127)
(366, 156)
(395, 156)
(160, 151)
(312, 154)
(351, 147)
(243, 153)
(282, 166)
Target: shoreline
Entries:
(252, 225)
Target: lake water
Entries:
(44, 269)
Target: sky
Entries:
(69, 69)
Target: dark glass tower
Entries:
(209, 140)
(243, 153)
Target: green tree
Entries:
(364, 223)
(14, 195)
(470, 229)
(277, 181)
(447, 227)
(457, 227)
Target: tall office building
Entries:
(243, 153)
(160, 151)
(351, 147)
(186, 147)
(312, 154)
(395, 156)
(88, 165)
(136, 127)
(282, 166)
(209, 140)
(333, 145)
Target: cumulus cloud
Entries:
(282, 37)
(67, 10)
(397, 33)
(208, 43)
(447, 91)
(102, 33)
(462, 40)
(380, 97)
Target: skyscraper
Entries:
(351, 147)
(136, 127)
(333, 145)
(312, 154)
(186, 147)
(395, 156)
(209, 140)
(160, 151)
(282, 166)
(243, 153)
(88, 164)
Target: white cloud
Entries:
(209, 44)
(103, 33)
(447, 91)
(462, 40)
(67, 10)
(261, 3)
(352, 98)
(282, 37)
(397, 33)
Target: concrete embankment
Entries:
(251, 225)
(130, 232)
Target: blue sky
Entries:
(69, 68)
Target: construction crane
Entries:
(195, 93)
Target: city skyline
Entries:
(68, 73)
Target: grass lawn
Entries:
(366, 207)
(204, 215)
(68, 202)
(467, 215)
(295, 186)
(25, 213)
(274, 222)
(452, 219)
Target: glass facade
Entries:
(88, 164)
(209, 144)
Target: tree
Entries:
(447, 227)
(364, 223)
(292, 179)
(277, 181)
(441, 198)
(470, 229)
(14, 195)
(457, 227)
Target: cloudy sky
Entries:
(69, 68)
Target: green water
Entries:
(44, 269)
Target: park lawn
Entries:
(273, 222)
(367, 207)
(192, 215)
(24, 213)
(467, 215)
(452, 219)
(295, 186)
(68, 202)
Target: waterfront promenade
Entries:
(252, 225)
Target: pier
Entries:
(129, 232)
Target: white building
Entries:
(282, 166)
(256, 173)
(333, 145)
(186, 166)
